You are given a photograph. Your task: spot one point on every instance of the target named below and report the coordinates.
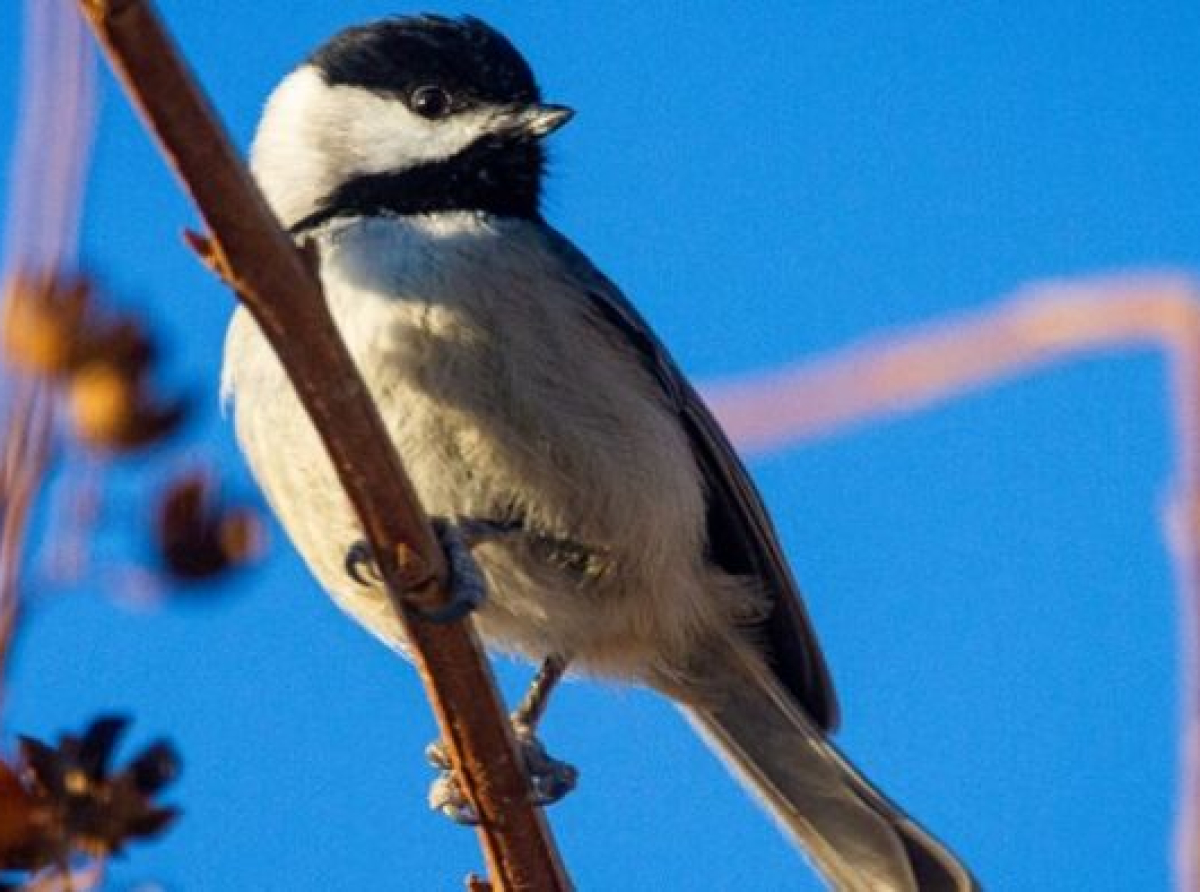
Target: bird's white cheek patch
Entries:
(382, 135)
(314, 137)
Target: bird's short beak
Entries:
(542, 120)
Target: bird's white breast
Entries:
(503, 392)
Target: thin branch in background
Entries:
(278, 287)
(57, 108)
(1051, 323)
(27, 448)
(64, 809)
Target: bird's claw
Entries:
(360, 565)
(445, 793)
(446, 796)
(466, 584)
(549, 779)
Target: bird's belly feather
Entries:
(504, 399)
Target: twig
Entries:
(912, 369)
(49, 162)
(27, 452)
(284, 297)
(48, 170)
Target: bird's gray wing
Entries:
(741, 538)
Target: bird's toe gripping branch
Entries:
(466, 584)
(549, 779)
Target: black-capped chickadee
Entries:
(529, 399)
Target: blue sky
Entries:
(767, 183)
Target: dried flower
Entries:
(22, 818)
(54, 328)
(110, 410)
(43, 320)
(199, 537)
(64, 801)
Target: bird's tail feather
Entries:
(856, 838)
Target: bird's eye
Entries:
(430, 102)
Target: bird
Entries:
(566, 457)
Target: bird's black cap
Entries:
(465, 56)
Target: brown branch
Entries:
(277, 287)
(1051, 323)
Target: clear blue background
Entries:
(768, 181)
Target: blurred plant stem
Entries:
(50, 159)
(1054, 322)
(26, 451)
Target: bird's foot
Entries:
(467, 587)
(549, 779)
(445, 793)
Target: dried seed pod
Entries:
(242, 535)
(100, 400)
(67, 800)
(23, 821)
(53, 327)
(44, 320)
(110, 410)
(122, 343)
(199, 538)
